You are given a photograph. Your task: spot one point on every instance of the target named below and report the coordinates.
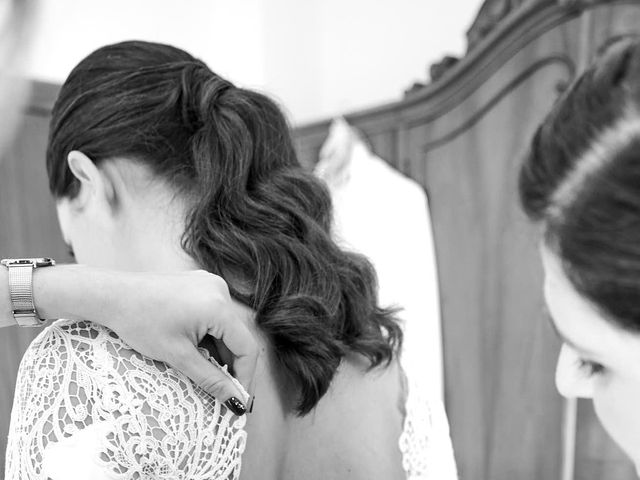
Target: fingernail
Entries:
(253, 399)
(236, 406)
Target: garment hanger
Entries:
(335, 154)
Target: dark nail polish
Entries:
(236, 406)
(253, 399)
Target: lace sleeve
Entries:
(86, 403)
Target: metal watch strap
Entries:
(21, 292)
(21, 288)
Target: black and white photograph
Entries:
(319, 240)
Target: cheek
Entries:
(617, 404)
(96, 239)
(87, 248)
(571, 380)
(97, 248)
(91, 244)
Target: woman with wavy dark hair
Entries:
(581, 181)
(157, 163)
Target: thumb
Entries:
(214, 379)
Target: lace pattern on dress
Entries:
(154, 423)
(425, 442)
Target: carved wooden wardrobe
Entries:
(462, 137)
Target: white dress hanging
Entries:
(385, 216)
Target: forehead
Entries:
(580, 321)
(574, 317)
(558, 291)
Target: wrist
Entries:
(74, 292)
(80, 292)
(56, 291)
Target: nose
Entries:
(572, 381)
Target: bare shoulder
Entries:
(356, 379)
(359, 421)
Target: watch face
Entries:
(36, 262)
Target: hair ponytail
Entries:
(258, 219)
(308, 294)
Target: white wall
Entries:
(318, 57)
(370, 51)
(223, 33)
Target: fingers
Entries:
(241, 342)
(245, 362)
(245, 368)
(214, 380)
(229, 324)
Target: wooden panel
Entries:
(499, 353)
(28, 227)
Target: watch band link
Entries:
(21, 292)
(21, 289)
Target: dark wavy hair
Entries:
(582, 181)
(258, 219)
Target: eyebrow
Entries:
(563, 337)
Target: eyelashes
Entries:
(590, 368)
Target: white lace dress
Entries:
(89, 407)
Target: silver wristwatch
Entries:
(21, 288)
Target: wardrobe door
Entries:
(28, 228)
(500, 351)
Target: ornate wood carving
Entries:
(494, 17)
(436, 71)
(564, 60)
(489, 17)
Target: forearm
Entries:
(79, 292)
(69, 291)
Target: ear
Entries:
(94, 186)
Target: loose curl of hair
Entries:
(582, 181)
(258, 219)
